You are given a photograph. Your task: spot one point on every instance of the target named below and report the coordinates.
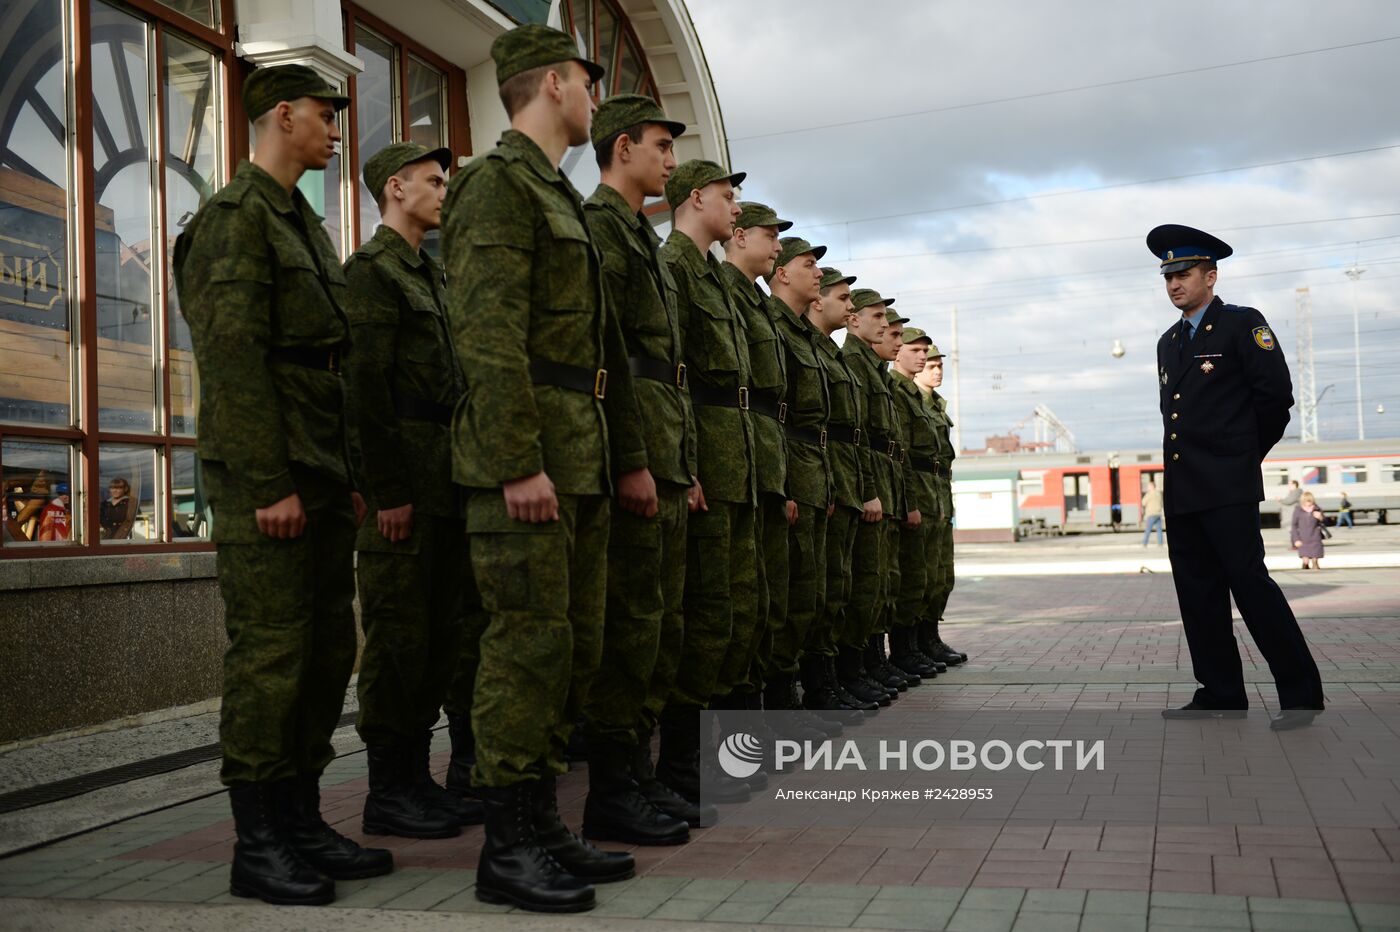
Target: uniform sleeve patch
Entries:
(1264, 337)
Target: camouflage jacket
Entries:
(943, 433)
(880, 429)
(919, 442)
(851, 477)
(257, 277)
(808, 407)
(402, 370)
(526, 290)
(640, 298)
(717, 360)
(769, 380)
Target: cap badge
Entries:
(1171, 254)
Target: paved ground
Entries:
(1192, 858)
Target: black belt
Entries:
(575, 378)
(326, 360)
(844, 434)
(883, 443)
(807, 435)
(658, 370)
(720, 397)
(767, 403)
(930, 466)
(420, 409)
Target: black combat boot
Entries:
(849, 677)
(873, 660)
(662, 796)
(513, 867)
(319, 845)
(678, 764)
(616, 809)
(887, 669)
(868, 706)
(736, 702)
(780, 695)
(904, 656)
(932, 645)
(459, 769)
(867, 675)
(575, 855)
(265, 866)
(792, 724)
(818, 692)
(393, 807)
(465, 811)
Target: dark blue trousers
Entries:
(1216, 554)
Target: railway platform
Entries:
(118, 831)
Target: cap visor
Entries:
(737, 178)
(443, 156)
(888, 302)
(784, 226)
(1170, 267)
(339, 102)
(595, 70)
(676, 129)
(818, 252)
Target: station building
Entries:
(118, 119)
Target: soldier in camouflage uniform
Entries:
(262, 289)
(644, 627)
(721, 600)
(853, 489)
(865, 330)
(530, 442)
(888, 350)
(940, 545)
(795, 283)
(922, 448)
(405, 380)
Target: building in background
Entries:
(118, 119)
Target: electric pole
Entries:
(1354, 273)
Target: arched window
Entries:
(605, 35)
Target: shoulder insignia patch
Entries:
(1264, 337)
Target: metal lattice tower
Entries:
(1307, 376)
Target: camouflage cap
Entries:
(265, 88)
(754, 214)
(933, 351)
(623, 110)
(914, 335)
(893, 317)
(831, 276)
(388, 160)
(794, 246)
(694, 175)
(534, 45)
(864, 297)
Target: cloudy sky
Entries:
(1008, 158)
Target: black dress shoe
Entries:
(1289, 719)
(1192, 710)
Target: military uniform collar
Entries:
(605, 195)
(747, 289)
(781, 308)
(907, 382)
(534, 156)
(826, 344)
(701, 263)
(864, 349)
(393, 241)
(272, 191)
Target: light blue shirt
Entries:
(1194, 318)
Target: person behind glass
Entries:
(55, 519)
(1151, 512)
(1344, 512)
(116, 511)
(1307, 531)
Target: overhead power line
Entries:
(1034, 95)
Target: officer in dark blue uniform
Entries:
(1225, 395)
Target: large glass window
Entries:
(427, 104)
(130, 481)
(376, 112)
(37, 477)
(35, 326)
(603, 33)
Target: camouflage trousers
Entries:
(771, 535)
(288, 610)
(542, 596)
(827, 633)
(643, 629)
(913, 574)
(412, 612)
(721, 601)
(806, 586)
(892, 532)
(940, 548)
(868, 584)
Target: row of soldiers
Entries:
(590, 478)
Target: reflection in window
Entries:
(126, 376)
(130, 481)
(34, 311)
(192, 517)
(38, 493)
(375, 111)
(1314, 475)
(427, 97)
(201, 11)
(192, 173)
(597, 27)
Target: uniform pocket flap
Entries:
(240, 267)
(566, 227)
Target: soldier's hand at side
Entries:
(531, 499)
(914, 519)
(282, 520)
(695, 497)
(357, 501)
(872, 513)
(396, 524)
(636, 491)
(792, 514)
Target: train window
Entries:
(1353, 473)
(1276, 475)
(1314, 475)
(1034, 486)
(1391, 471)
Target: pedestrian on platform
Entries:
(1307, 531)
(1151, 512)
